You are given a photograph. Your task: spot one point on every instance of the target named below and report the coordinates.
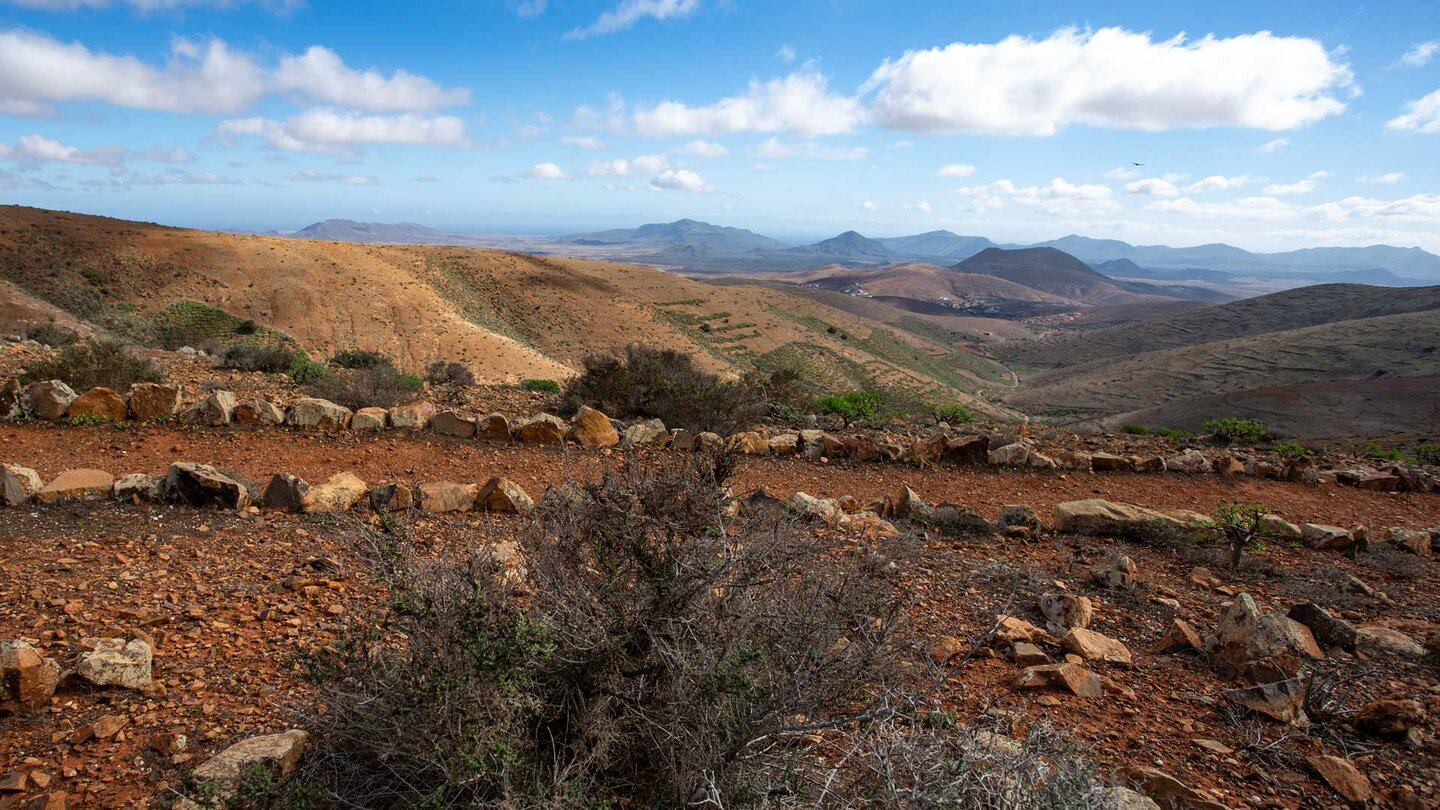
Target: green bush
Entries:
(83, 366)
(542, 386)
(1134, 429)
(375, 387)
(304, 370)
(1379, 453)
(1291, 450)
(953, 414)
(1240, 527)
(1427, 453)
(854, 406)
(1235, 431)
(247, 327)
(56, 337)
(443, 373)
(274, 359)
(358, 360)
(1174, 434)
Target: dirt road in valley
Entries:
(258, 453)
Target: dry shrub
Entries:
(378, 386)
(83, 366)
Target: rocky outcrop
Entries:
(593, 429)
(215, 410)
(77, 485)
(18, 485)
(540, 429)
(153, 402)
(1105, 519)
(99, 404)
(318, 414)
(202, 485)
(115, 662)
(48, 400)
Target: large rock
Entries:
(542, 428)
(1260, 646)
(453, 423)
(320, 414)
(494, 427)
(1328, 538)
(139, 488)
(100, 404)
(153, 402)
(974, 450)
(1064, 611)
(412, 416)
(18, 485)
(1189, 461)
(825, 510)
(650, 433)
(1015, 454)
(215, 410)
(1415, 542)
(259, 411)
(1105, 519)
(504, 495)
(1377, 639)
(47, 400)
(1342, 777)
(285, 491)
(1093, 646)
(1329, 631)
(1109, 462)
(447, 496)
(338, 493)
(1279, 527)
(785, 444)
(750, 443)
(77, 485)
(220, 777)
(369, 419)
(592, 429)
(392, 497)
(1165, 790)
(202, 485)
(1072, 677)
(27, 678)
(115, 662)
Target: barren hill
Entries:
(506, 315)
(921, 281)
(1055, 272)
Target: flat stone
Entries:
(369, 419)
(447, 496)
(1342, 777)
(153, 402)
(18, 485)
(1376, 638)
(1026, 654)
(1280, 700)
(1076, 679)
(99, 403)
(278, 752)
(504, 495)
(318, 414)
(336, 494)
(77, 485)
(115, 662)
(1093, 646)
(1105, 519)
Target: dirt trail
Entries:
(258, 453)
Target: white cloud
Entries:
(149, 6)
(702, 148)
(1123, 173)
(1421, 115)
(776, 149)
(1420, 55)
(312, 176)
(1058, 197)
(530, 132)
(621, 167)
(426, 177)
(870, 205)
(1420, 208)
(1387, 179)
(160, 154)
(1153, 187)
(786, 53)
(919, 206)
(1112, 78)
(33, 150)
(326, 130)
(546, 171)
(680, 180)
(36, 70)
(177, 177)
(1217, 182)
(1246, 208)
(1305, 186)
(320, 74)
(589, 142)
(529, 8)
(1270, 147)
(956, 170)
(799, 103)
(630, 12)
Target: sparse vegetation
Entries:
(303, 370)
(49, 334)
(1379, 453)
(455, 374)
(274, 358)
(377, 386)
(1134, 429)
(1427, 453)
(1235, 431)
(541, 386)
(1291, 450)
(1173, 434)
(954, 413)
(1240, 527)
(247, 327)
(359, 360)
(83, 366)
(852, 407)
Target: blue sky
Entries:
(1268, 125)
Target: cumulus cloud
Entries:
(1252, 208)
(870, 205)
(1421, 115)
(148, 6)
(1418, 208)
(630, 12)
(1123, 173)
(546, 171)
(529, 8)
(702, 148)
(799, 103)
(956, 170)
(312, 176)
(1217, 182)
(786, 53)
(33, 150)
(621, 167)
(1305, 186)
(1419, 55)
(177, 177)
(1387, 179)
(1111, 78)
(426, 177)
(1153, 187)
(1270, 147)
(589, 142)
(919, 206)
(776, 149)
(36, 70)
(320, 74)
(325, 130)
(680, 180)
(1059, 197)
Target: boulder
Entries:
(1165, 790)
(1064, 611)
(27, 678)
(336, 494)
(955, 520)
(1014, 454)
(99, 403)
(46, 400)
(319, 414)
(221, 775)
(749, 443)
(115, 662)
(494, 427)
(592, 429)
(453, 423)
(504, 495)
(1342, 777)
(708, 441)
(369, 419)
(972, 450)
(1391, 717)
(447, 496)
(1014, 630)
(684, 440)
(1279, 527)
(285, 491)
(825, 510)
(413, 415)
(215, 410)
(1093, 646)
(392, 497)
(139, 488)
(812, 444)
(153, 402)
(785, 444)
(650, 433)
(1377, 639)
(1115, 571)
(1109, 462)
(542, 428)
(259, 411)
(1329, 631)
(1415, 542)
(1327, 538)
(1105, 519)
(1189, 461)
(1179, 637)
(1074, 678)
(18, 485)
(1279, 700)
(1019, 517)
(77, 485)
(1259, 645)
(202, 485)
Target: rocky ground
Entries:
(238, 606)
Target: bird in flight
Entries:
(1133, 163)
